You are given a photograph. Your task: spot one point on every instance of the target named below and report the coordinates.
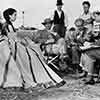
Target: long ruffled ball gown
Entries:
(23, 64)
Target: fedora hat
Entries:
(59, 2)
(47, 20)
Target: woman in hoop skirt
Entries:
(21, 61)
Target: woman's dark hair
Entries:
(87, 3)
(8, 12)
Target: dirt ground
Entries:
(74, 89)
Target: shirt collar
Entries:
(59, 11)
(85, 13)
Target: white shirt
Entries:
(86, 17)
(59, 13)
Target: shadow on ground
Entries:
(74, 89)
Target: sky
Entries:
(37, 10)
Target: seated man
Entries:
(75, 39)
(72, 47)
(92, 55)
(54, 44)
(78, 38)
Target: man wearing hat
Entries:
(47, 23)
(54, 44)
(60, 19)
(44, 34)
(48, 27)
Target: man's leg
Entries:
(76, 59)
(89, 67)
(93, 55)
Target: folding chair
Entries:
(53, 58)
(50, 56)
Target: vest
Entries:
(58, 20)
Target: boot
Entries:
(90, 80)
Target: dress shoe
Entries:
(90, 82)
